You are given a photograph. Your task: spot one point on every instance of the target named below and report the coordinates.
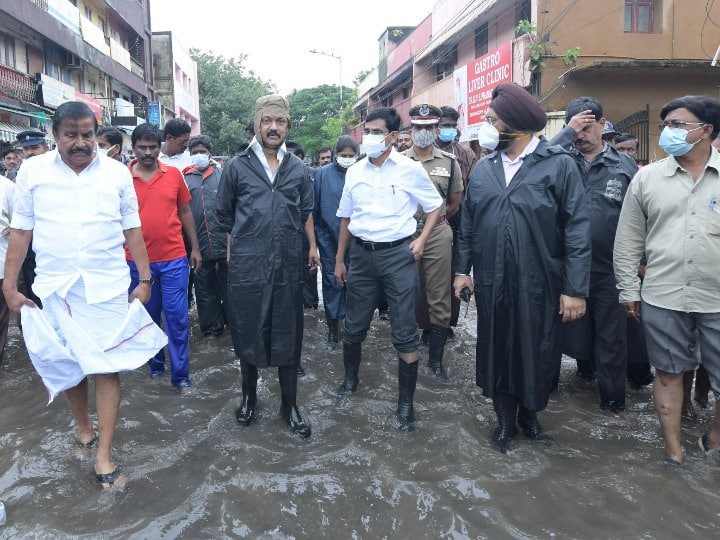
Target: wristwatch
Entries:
(149, 281)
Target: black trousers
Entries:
(210, 295)
(601, 336)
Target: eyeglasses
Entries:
(375, 132)
(679, 124)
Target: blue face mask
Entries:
(672, 140)
(448, 134)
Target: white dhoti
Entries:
(69, 338)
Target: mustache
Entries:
(273, 132)
(81, 150)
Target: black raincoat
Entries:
(526, 244)
(266, 223)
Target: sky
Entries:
(277, 40)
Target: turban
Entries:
(516, 107)
(275, 106)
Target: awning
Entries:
(457, 27)
(9, 131)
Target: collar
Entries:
(529, 149)
(672, 165)
(436, 152)
(256, 147)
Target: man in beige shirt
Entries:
(671, 213)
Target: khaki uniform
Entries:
(434, 267)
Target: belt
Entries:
(378, 246)
(440, 221)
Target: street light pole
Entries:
(339, 59)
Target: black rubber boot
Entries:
(245, 414)
(352, 353)
(436, 350)
(505, 408)
(333, 334)
(407, 379)
(528, 422)
(288, 407)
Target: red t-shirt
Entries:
(159, 201)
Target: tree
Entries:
(227, 98)
(316, 117)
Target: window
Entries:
(7, 50)
(481, 40)
(88, 13)
(102, 25)
(56, 71)
(524, 12)
(639, 16)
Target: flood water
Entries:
(193, 472)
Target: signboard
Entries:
(55, 93)
(93, 103)
(474, 84)
(153, 113)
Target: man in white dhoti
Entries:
(79, 208)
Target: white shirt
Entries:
(512, 167)
(255, 147)
(381, 201)
(7, 196)
(77, 222)
(179, 161)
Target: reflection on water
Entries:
(194, 473)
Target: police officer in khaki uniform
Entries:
(434, 268)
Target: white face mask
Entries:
(488, 136)
(201, 161)
(105, 151)
(346, 162)
(374, 145)
(423, 138)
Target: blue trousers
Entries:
(169, 300)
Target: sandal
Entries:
(108, 478)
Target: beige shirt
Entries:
(676, 223)
(439, 167)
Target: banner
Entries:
(153, 113)
(474, 84)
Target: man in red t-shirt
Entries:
(165, 213)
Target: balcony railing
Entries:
(137, 69)
(16, 84)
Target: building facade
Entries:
(52, 51)
(632, 55)
(176, 81)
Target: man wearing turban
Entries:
(265, 201)
(525, 234)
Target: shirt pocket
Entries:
(107, 203)
(712, 220)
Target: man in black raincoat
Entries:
(265, 201)
(525, 233)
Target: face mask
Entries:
(346, 162)
(374, 145)
(672, 140)
(201, 161)
(448, 134)
(488, 136)
(423, 138)
(103, 151)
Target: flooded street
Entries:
(195, 473)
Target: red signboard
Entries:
(94, 104)
(484, 74)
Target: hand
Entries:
(313, 259)
(195, 260)
(340, 272)
(417, 247)
(571, 308)
(641, 271)
(460, 283)
(15, 300)
(581, 120)
(141, 292)
(632, 310)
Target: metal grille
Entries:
(638, 123)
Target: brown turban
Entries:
(517, 108)
(275, 106)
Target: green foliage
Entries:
(227, 98)
(525, 27)
(570, 56)
(316, 117)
